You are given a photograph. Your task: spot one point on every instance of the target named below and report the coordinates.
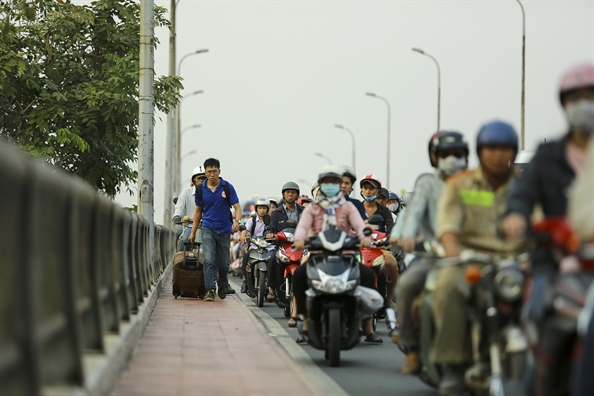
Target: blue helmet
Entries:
(496, 133)
(393, 195)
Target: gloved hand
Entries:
(176, 219)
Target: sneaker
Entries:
(210, 295)
(412, 363)
(395, 335)
(222, 293)
(229, 289)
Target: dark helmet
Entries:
(393, 196)
(384, 192)
(445, 140)
(290, 186)
(496, 133)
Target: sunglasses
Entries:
(446, 153)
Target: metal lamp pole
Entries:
(353, 141)
(177, 175)
(388, 137)
(523, 72)
(420, 51)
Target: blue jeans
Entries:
(215, 249)
(186, 235)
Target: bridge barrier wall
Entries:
(77, 282)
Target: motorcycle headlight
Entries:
(282, 257)
(509, 284)
(334, 284)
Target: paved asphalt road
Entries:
(368, 369)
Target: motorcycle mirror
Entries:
(292, 223)
(242, 228)
(375, 219)
(367, 231)
(266, 219)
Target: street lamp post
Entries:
(420, 51)
(388, 137)
(178, 139)
(324, 156)
(523, 73)
(353, 141)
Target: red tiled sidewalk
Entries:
(194, 347)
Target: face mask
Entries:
(580, 115)
(330, 189)
(370, 199)
(451, 164)
(393, 207)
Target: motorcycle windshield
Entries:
(259, 255)
(333, 265)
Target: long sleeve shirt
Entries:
(312, 219)
(186, 203)
(421, 212)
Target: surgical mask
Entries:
(580, 115)
(393, 207)
(369, 199)
(451, 164)
(330, 189)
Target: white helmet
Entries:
(197, 172)
(262, 201)
(330, 171)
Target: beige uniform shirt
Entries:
(471, 209)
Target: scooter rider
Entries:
(394, 203)
(186, 205)
(315, 220)
(288, 210)
(448, 153)
(370, 188)
(254, 226)
(348, 181)
(545, 182)
(468, 211)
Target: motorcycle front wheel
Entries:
(261, 288)
(334, 338)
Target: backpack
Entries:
(225, 188)
(253, 225)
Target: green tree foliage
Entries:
(69, 85)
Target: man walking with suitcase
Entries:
(214, 197)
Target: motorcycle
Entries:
(257, 265)
(553, 336)
(289, 260)
(495, 291)
(334, 303)
(373, 258)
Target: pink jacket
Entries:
(347, 218)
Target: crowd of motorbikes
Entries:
(505, 342)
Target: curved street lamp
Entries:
(388, 137)
(420, 51)
(190, 127)
(178, 138)
(324, 156)
(353, 141)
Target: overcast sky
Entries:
(280, 74)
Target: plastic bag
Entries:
(370, 301)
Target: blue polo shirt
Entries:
(215, 207)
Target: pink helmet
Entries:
(579, 76)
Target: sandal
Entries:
(271, 297)
(292, 322)
(373, 338)
(301, 340)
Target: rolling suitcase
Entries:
(188, 273)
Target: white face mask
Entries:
(451, 165)
(580, 115)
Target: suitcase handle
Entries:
(190, 244)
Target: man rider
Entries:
(254, 227)
(468, 210)
(186, 205)
(448, 153)
(348, 180)
(288, 210)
